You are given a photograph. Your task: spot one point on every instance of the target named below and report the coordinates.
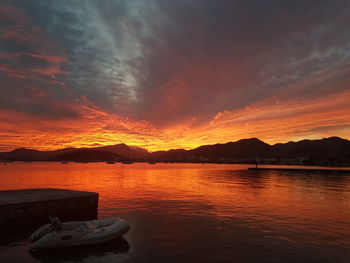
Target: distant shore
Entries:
(254, 166)
(332, 152)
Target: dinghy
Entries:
(77, 233)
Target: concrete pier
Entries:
(33, 206)
(313, 170)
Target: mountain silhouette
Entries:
(255, 149)
(88, 155)
(333, 148)
(126, 151)
(325, 148)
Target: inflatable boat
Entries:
(77, 233)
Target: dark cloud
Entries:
(230, 54)
(170, 61)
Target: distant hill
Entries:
(240, 149)
(131, 152)
(167, 155)
(255, 149)
(88, 155)
(325, 148)
(118, 151)
(333, 149)
(23, 154)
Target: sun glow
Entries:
(269, 122)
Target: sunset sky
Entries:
(165, 74)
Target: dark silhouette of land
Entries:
(333, 151)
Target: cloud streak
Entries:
(166, 74)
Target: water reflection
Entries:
(203, 213)
(110, 250)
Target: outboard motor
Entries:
(55, 225)
(42, 231)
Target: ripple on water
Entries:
(200, 213)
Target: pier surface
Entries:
(316, 170)
(33, 206)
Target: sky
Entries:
(165, 74)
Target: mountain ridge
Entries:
(242, 150)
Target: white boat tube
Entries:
(78, 233)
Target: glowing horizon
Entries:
(172, 75)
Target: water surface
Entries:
(198, 212)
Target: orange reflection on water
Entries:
(223, 206)
(225, 188)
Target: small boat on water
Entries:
(77, 233)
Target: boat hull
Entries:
(78, 233)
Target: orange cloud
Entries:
(272, 123)
(193, 87)
(12, 13)
(53, 59)
(33, 38)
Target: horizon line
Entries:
(92, 147)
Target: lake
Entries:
(198, 212)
